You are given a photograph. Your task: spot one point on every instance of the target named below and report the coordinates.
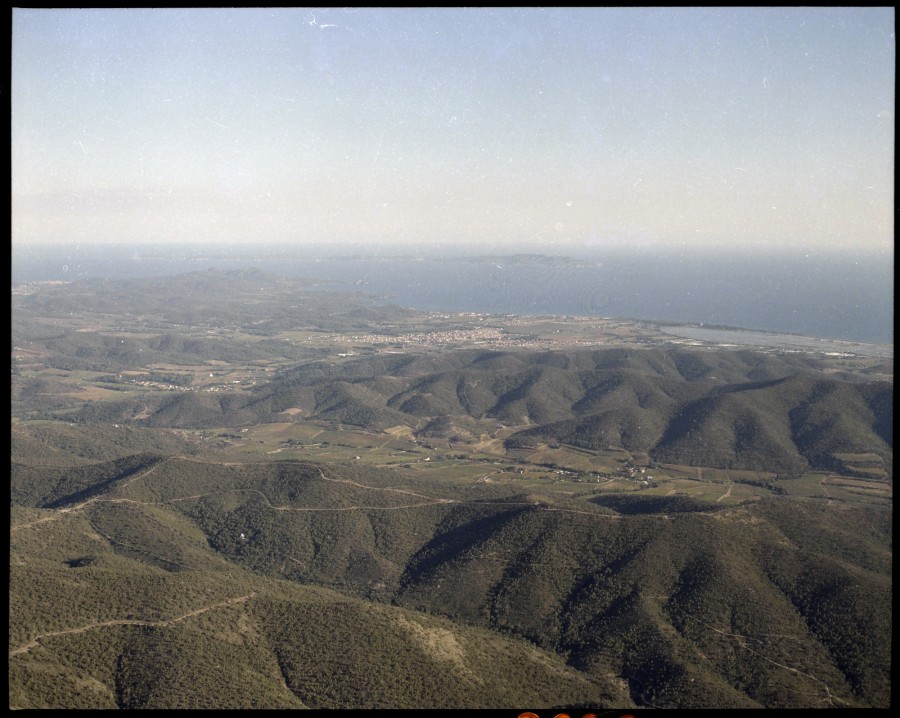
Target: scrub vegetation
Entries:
(226, 494)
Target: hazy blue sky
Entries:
(572, 127)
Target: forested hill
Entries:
(728, 409)
(288, 584)
(233, 490)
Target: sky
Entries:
(756, 128)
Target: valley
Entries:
(231, 489)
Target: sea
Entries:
(839, 295)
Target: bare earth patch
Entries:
(441, 644)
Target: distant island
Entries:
(374, 258)
(500, 259)
(539, 259)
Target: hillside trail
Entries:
(428, 500)
(741, 641)
(828, 497)
(452, 501)
(128, 622)
(95, 499)
(387, 488)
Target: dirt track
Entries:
(126, 622)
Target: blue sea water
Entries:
(838, 296)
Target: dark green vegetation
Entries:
(224, 496)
